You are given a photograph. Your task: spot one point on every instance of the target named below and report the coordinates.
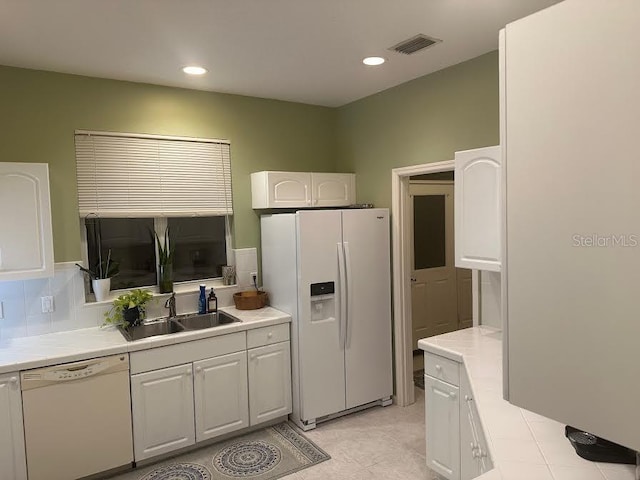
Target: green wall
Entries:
(422, 121)
(41, 110)
(425, 120)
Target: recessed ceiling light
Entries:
(194, 70)
(373, 61)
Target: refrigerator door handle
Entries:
(349, 306)
(343, 295)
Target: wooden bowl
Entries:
(250, 300)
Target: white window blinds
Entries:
(121, 175)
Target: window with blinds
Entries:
(121, 175)
(132, 186)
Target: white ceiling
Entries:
(306, 51)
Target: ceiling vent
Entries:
(415, 44)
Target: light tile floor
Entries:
(378, 443)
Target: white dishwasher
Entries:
(77, 418)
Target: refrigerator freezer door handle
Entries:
(343, 295)
(349, 302)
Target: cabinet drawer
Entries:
(442, 368)
(161, 357)
(268, 335)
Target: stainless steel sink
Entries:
(204, 320)
(151, 329)
(180, 323)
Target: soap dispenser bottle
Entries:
(212, 302)
(202, 300)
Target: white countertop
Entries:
(522, 444)
(62, 347)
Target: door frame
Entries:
(401, 260)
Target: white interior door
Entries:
(368, 357)
(433, 281)
(321, 344)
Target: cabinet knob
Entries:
(270, 334)
(439, 368)
(453, 395)
(468, 398)
(13, 380)
(476, 454)
(188, 372)
(252, 356)
(198, 369)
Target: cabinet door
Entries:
(26, 242)
(162, 405)
(478, 208)
(470, 448)
(289, 189)
(333, 189)
(221, 395)
(12, 455)
(442, 410)
(269, 382)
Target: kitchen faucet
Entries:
(171, 305)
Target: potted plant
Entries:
(129, 309)
(101, 275)
(165, 262)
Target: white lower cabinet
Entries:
(162, 406)
(13, 465)
(442, 408)
(269, 382)
(474, 455)
(221, 395)
(194, 391)
(456, 445)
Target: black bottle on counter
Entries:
(212, 302)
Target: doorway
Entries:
(402, 270)
(441, 297)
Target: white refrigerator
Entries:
(330, 270)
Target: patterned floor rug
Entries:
(418, 378)
(266, 454)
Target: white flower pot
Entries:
(101, 287)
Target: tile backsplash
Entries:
(246, 262)
(22, 305)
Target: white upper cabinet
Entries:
(26, 241)
(302, 189)
(333, 189)
(478, 209)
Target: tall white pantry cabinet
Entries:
(570, 129)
